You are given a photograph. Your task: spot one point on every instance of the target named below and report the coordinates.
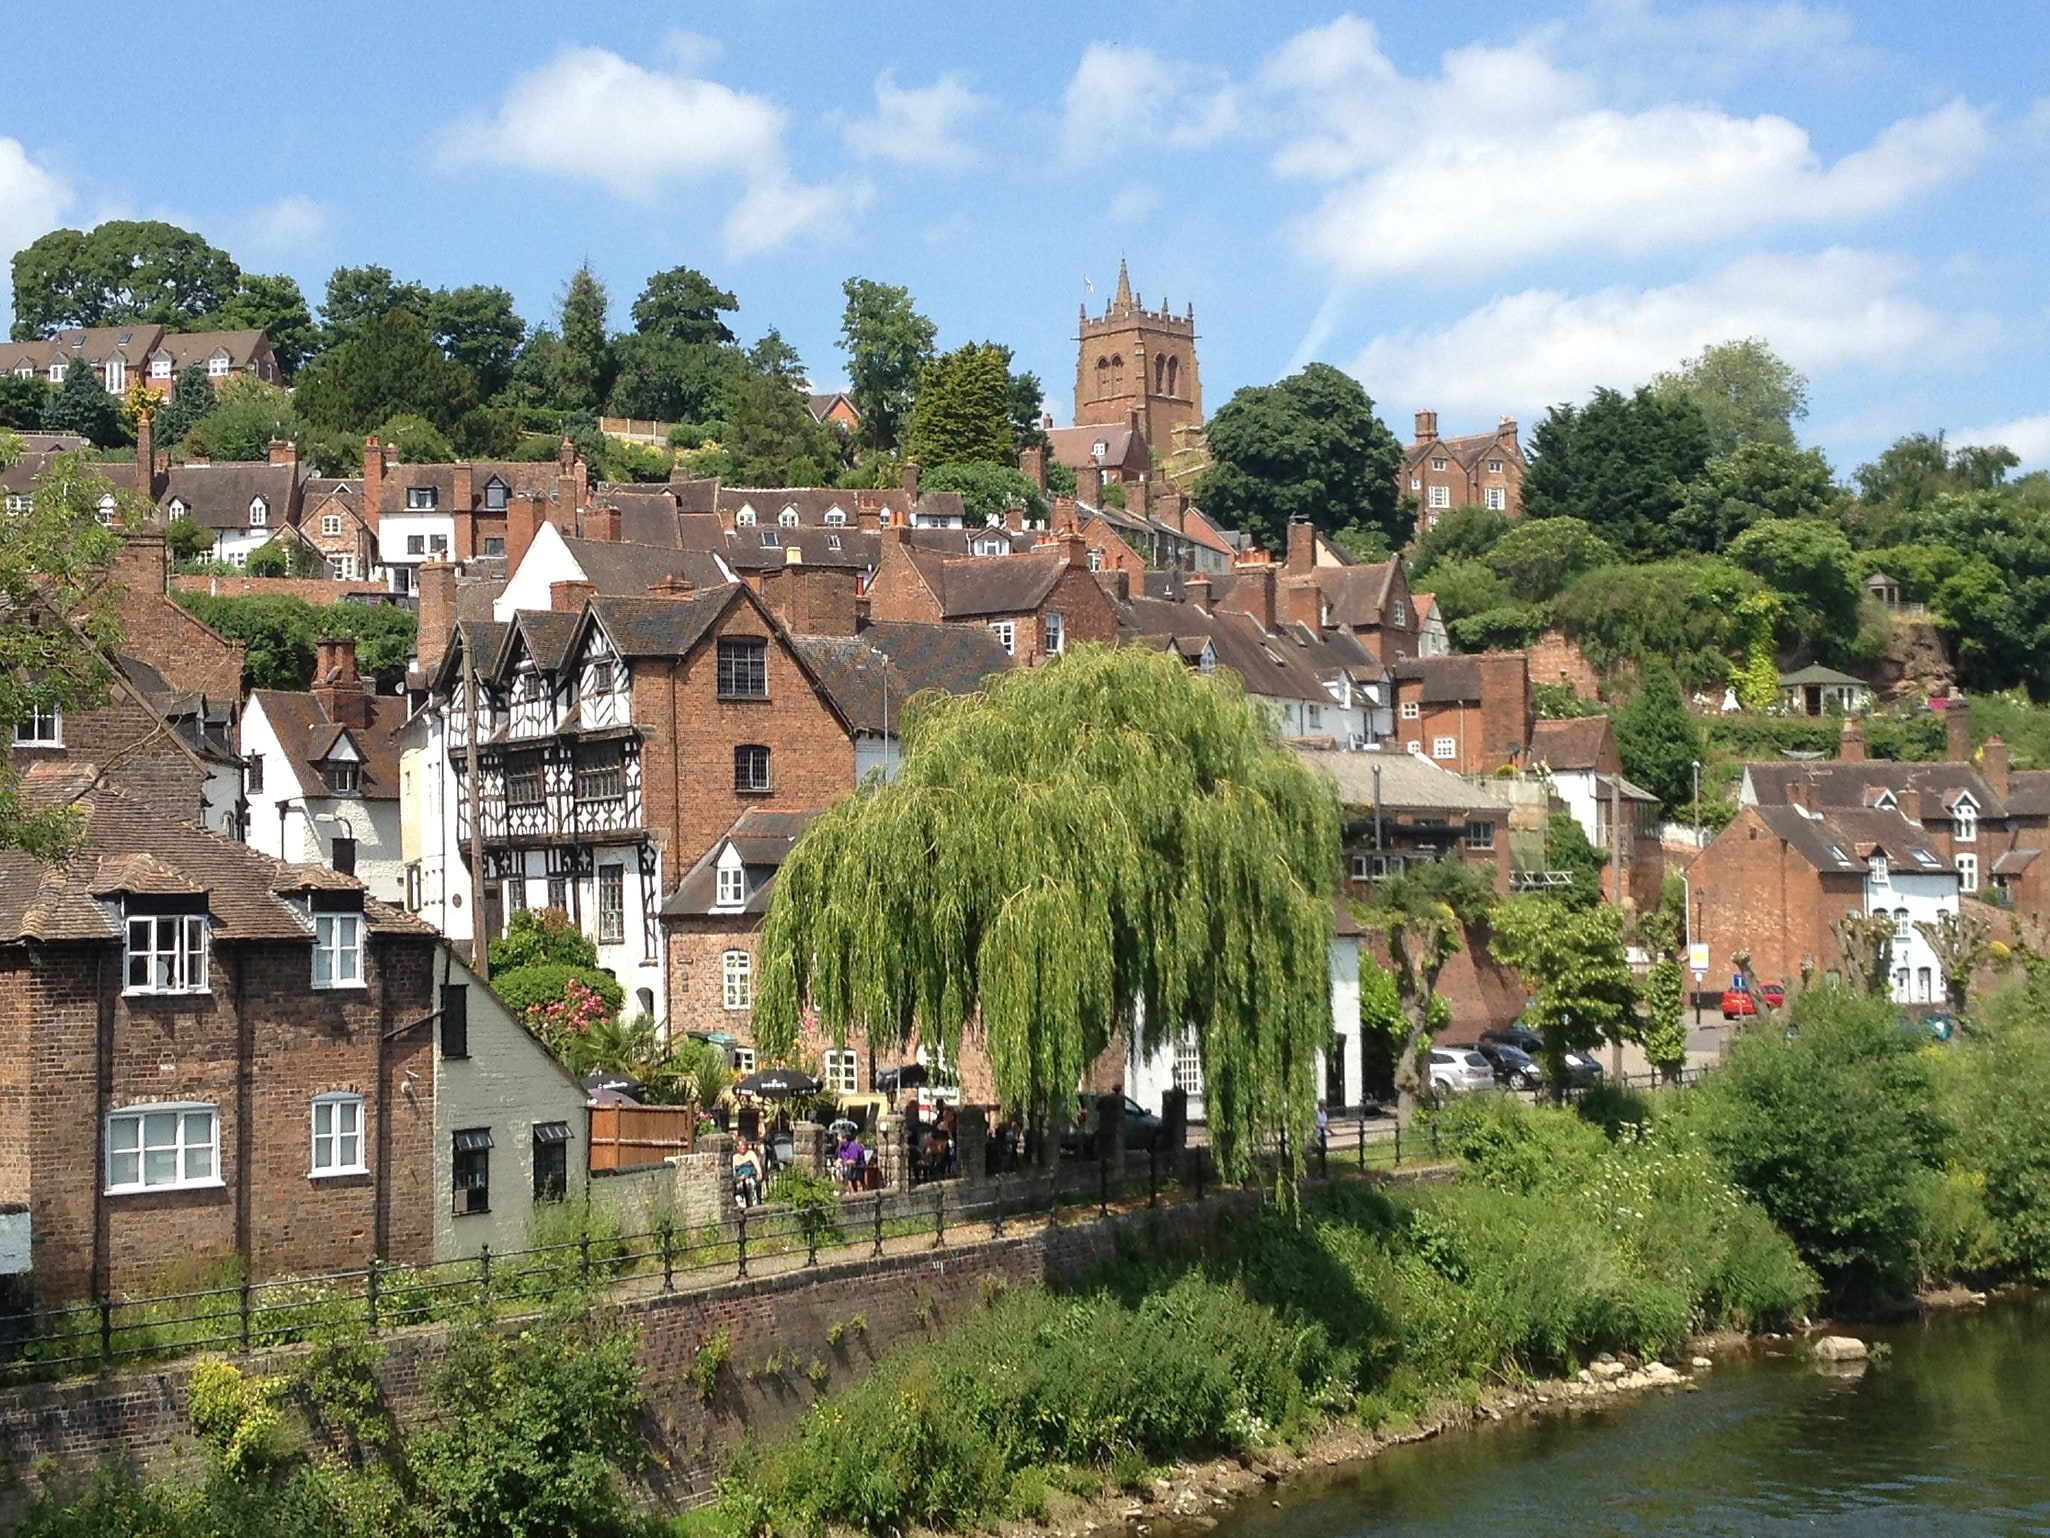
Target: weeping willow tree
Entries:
(1112, 843)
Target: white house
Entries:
(322, 774)
(244, 506)
(1911, 886)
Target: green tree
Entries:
(22, 401)
(1812, 568)
(415, 440)
(1460, 534)
(583, 369)
(963, 410)
(1744, 391)
(1683, 611)
(121, 271)
(1829, 1132)
(772, 438)
(1423, 916)
(888, 344)
(1752, 484)
(478, 328)
(1539, 557)
(539, 937)
(247, 415)
(987, 490)
(1028, 409)
(1572, 960)
(1665, 1023)
(685, 306)
(274, 305)
(279, 633)
(358, 295)
(1658, 737)
(1620, 464)
(186, 540)
(1167, 864)
(1309, 447)
(1481, 610)
(389, 364)
(193, 399)
(82, 405)
(1568, 852)
(665, 380)
(59, 622)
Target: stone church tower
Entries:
(1135, 362)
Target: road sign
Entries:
(1697, 956)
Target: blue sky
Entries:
(1479, 208)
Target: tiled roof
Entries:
(1276, 666)
(307, 736)
(662, 627)
(1358, 595)
(1443, 680)
(2028, 793)
(1838, 784)
(969, 587)
(1572, 745)
(851, 669)
(1406, 782)
(763, 840)
(546, 635)
(1843, 839)
(217, 495)
(623, 570)
(243, 887)
(768, 549)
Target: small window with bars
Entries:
(751, 769)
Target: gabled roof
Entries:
(1401, 782)
(970, 587)
(662, 627)
(130, 847)
(1816, 673)
(1581, 745)
(1358, 595)
(1843, 840)
(1450, 680)
(1469, 447)
(617, 569)
(217, 495)
(1837, 784)
(1076, 446)
(1275, 666)
(307, 736)
(853, 672)
(763, 840)
(2028, 793)
(546, 634)
(768, 549)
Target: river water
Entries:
(1950, 1435)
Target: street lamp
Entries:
(1697, 803)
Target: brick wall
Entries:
(148, 761)
(1556, 660)
(257, 1048)
(1757, 893)
(898, 591)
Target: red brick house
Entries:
(1038, 604)
(1619, 818)
(1478, 470)
(207, 1055)
(1473, 714)
(1372, 601)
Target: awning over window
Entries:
(473, 1140)
(546, 1132)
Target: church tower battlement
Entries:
(1135, 362)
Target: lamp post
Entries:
(1697, 803)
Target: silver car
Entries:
(1459, 1071)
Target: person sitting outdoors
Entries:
(853, 1159)
(747, 1172)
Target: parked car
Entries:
(1514, 1067)
(1582, 1069)
(1737, 1004)
(1519, 1036)
(1459, 1071)
(1142, 1127)
(1775, 995)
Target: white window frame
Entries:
(40, 728)
(787, 519)
(737, 980)
(1495, 499)
(1411, 710)
(219, 366)
(1362, 868)
(172, 955)
(611, 876)
(835, 519)
(1441, 497)
(189, 1135)
(420, 499)
(732, 886)
(343, 1114)
(1438, 465)
(1445, 748)
(1187, 1069)
(116, 376)
(1967, 872)
(743, 1060)
(1398, 613)
(1056, 632)
(1006, 634)
(160, 368)
(1965, 823)
(330, 524)
(841, 1067)
(338, 950)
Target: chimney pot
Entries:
(570, 596)
(1426, 426)
(283, 451)
(1957, 730)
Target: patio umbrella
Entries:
(910, 1076)
(778, 1084)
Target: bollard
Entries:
(245, 1315)
(106, 1332)
(877, 1253)
(484, 1278)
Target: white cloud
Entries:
(1504, 156)
(590, 115)
(2027, 436)
(1121, 97)
(295, 224)
(32, 200)
(1712, 44)
(918, 125)
(1833, 310)
(1132, 204)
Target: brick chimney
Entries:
(341, 694)
(1140, 499)
(566, 457)
(1957, 730)
(1014, 519)
(570, 596)
(1065, 519)
(146, 455)
(374, 465)
(1426, 426)
(1302, 547)
(1120, 582)
(1196, 591)
(1507, 430)
(1076, 550)
(1254, 593)
(1850, 743)
(1302, 602)
(142, 564)
(1089, 484)
(911, 480)
(524, 516)
(1032, 464)
(602, 523)
(675, 585)
(283, 451)
(464, 491)
(1993, 764)
(437, 613)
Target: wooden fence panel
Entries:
(625, 1137)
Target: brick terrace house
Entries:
(120, 355)
(1037, 604)
(1401, 810)
(333, 525)
(1371, 601)
(1473, 714)
(1478, 470)
(618, 738)
(1618, 817)
(206, 1053)
(322, 771)
(469, 509)
(1776, 878)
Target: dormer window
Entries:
(1206, 660)
(1965, 821)
(56, 373)
(178, 507)
(338, 950)
(835, 518)
(160, 367)
(259, 512)
(419, 499)
(1876, 864)
(832, 542)
(341, 777)
(732, 879)
(1099, 448)
(787, 518)
(107, 509)
(744, 519)
(218, 366)
(769, 539)
(494, 495)
(166, 952)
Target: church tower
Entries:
(1133, 361)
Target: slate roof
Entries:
(616, 569)
(1442, 680)
(763, 839)
(1838, 784)
(768, 549)
(661, 627)
(954, 658)
(544, 478)
(1407, 782)
(132, 847)
(969, 587)
(2028, 793)
(812, 503)
(546, 634)
(1469, 447)
(307, 735)
(1573, 746)
(217, 495)
(1276, 666)
(1074, 446)
(1842, 840)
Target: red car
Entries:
(1737, 1003)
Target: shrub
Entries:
(534, 992)
(1997, 1087)
(235, 1415)
(535, 936)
